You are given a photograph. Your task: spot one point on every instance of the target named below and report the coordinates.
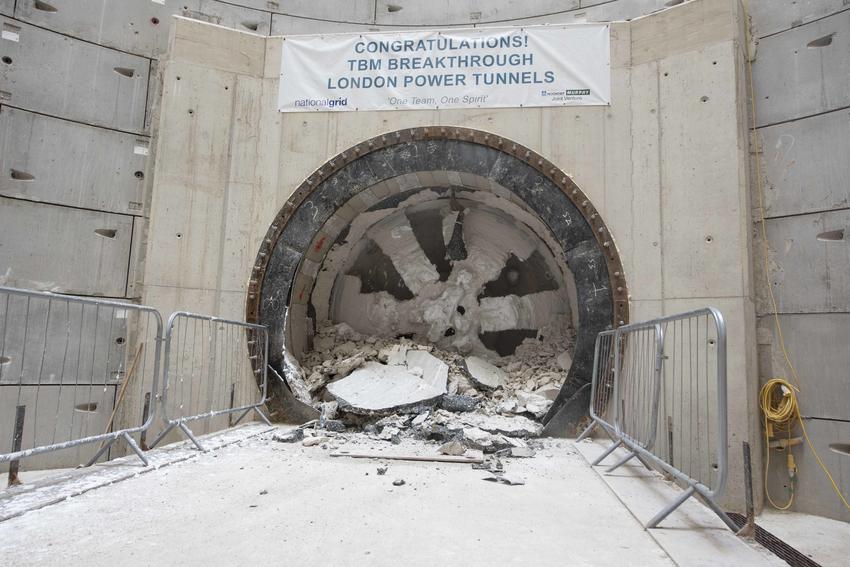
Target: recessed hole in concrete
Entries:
(821, 41)
(119, 341)
(253, 26)
(460, 309)
(393, 8)
(450, 332)
(106, 232)
(7, 60)
(178, 77)
(840, 448)
(5, 360)
(155, 21)
(670, 3)
(179, 235)
(191, 111)
(139, 175)
(19, 175)
(90, 407)
(125, 71)
(703, 99)
(44, 6)
(709, 239)
(832, 235)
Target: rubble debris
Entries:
(454, 448)
(484, 374)
(398, 482)
(379, 388)
(458, 403)
(382, 471)
(502, 479)
(313, 441)
(513, 426)
(334, 425)
(292, 436)
(470, 458)
(564, 360)
(522, 452)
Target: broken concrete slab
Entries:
(458, 403)
(313, 441)
(564, 360)
(454, 448)
(434, 371)
(292, 436)
(533, 403)
(375, 389)
(502, 479)
(484, 374)
(513, 426)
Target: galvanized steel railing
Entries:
(210, 371)
(669, 401)
(70, 369)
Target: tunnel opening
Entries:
(452, 238)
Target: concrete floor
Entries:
(260, 501)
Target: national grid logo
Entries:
(322, 102)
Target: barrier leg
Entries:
(162, 435)
(586, 431)
(667, 510)
(241, 416)
(607, 452)
(136, 449)
(621, 462)
(717, 510)
(101, 451)
(262, 416)
(188, 433)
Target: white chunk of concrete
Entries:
(434, 371)
(485, 374)
(376, 388)
(513, 426)
(564, 360)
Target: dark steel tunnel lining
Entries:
(590, 252)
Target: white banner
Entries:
(470, 68)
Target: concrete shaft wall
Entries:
(665, 165)
(74, 164)
(801, 75)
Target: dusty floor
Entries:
(260, 502)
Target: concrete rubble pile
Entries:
(395, 389)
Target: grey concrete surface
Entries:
(319, 510)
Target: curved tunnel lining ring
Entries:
(587, 244)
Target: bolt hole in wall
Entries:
(821, 41)
(106, 232)
(840, 448)
(7, 60)
(832, 235)
(44, 6)
(19, 175)
(139, 175)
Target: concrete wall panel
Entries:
(806, 165)
(133, 26)
(289, 25)
(810, 264)
(698, 108)
(814, 492)
(7, 7)
(616, 10)
(354, 11)
(817, 344)
(54, 74)
(469, 12)
(53, 418)
(55, 161)
(58, 249)
(772, 16)
(803, 71)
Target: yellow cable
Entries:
(777, 415)
(788, 408)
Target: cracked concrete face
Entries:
(455, 242)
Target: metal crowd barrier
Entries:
(669, 402)
(210, 371)
(70, 369)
